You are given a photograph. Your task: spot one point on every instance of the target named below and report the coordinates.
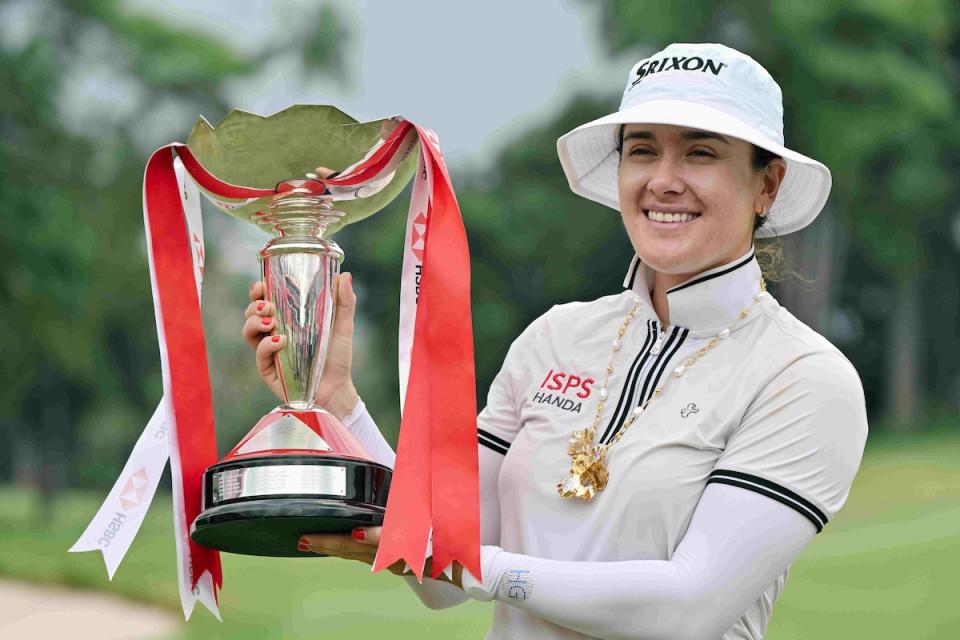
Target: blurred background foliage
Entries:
(869, 87)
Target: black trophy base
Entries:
(260, 506)
(272, 527)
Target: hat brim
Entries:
(588, 155)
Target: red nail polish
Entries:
(359, 534)
(275, 338)
(266, 321)
(260, 306)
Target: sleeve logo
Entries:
(517, 584)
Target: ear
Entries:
(773, 176)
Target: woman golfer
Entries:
(652, 462)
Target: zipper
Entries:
(655, 350)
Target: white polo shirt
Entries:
(742, 415)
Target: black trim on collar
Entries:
(666, 361)
(734, 267)
(629, 385)
(670, 346)
(772, 490)
(633, 274)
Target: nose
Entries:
(665, 178)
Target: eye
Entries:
(640, 151)
(703, 153)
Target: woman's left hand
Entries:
(362, 545)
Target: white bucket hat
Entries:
(702, 86)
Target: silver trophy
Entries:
(298, 470)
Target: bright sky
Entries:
(475, 72)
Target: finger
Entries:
(266, 351)
(346, 306)
(367, 535)
(366, 558)
(333, 544)
(331, 540)
(256, 290)
(387, 127)
(323, 172)
(336, 550)
(259, 308)
(254, 327)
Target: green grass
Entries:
(264, 598)
(885, 567)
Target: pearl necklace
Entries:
(588, 472)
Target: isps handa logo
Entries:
(570, 390)
(677, 63)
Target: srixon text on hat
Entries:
(678, 63)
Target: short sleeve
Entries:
(801, 439)
(499, 421)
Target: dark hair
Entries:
(769, 251)
(761, 158)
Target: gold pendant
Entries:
(588, 472)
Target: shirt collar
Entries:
(711, 300)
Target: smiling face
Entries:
(707, 186)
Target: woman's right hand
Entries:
(335, 390)
(257, 328)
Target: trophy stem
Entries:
(297, 228)
(299, 268)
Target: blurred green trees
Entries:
(869, 89)
(80, 361)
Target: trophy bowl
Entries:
(299, 470)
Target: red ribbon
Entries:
(186, 353)
(435, 481)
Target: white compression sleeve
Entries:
(360, 423)
(434, 593)
(738, 542)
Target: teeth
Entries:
(658, 216)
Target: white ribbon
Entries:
(113, 528)
(412, 269)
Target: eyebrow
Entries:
(695, 134)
